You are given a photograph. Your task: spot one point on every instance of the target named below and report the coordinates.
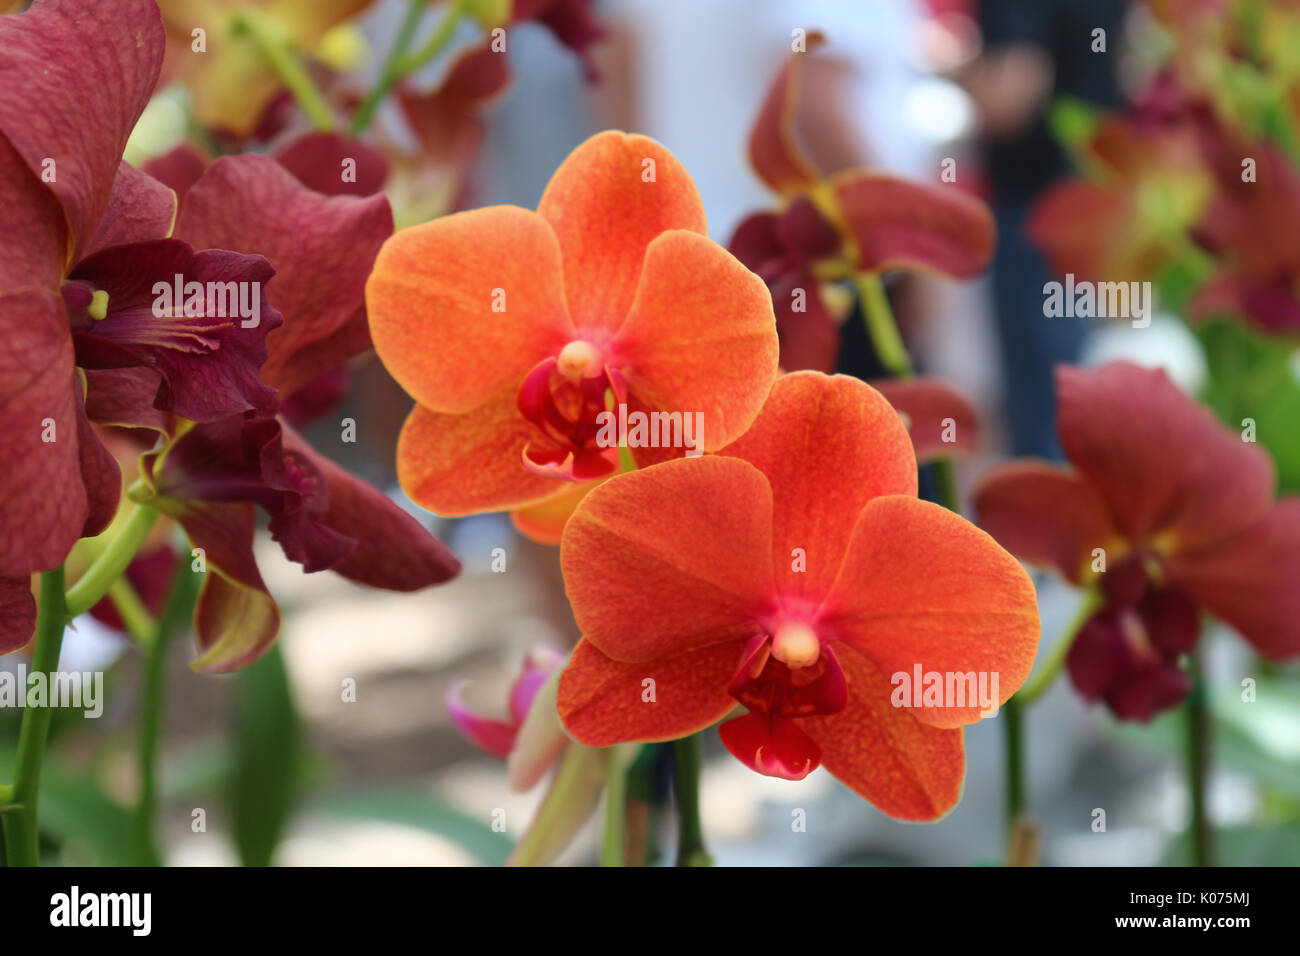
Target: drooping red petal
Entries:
(940, 420)
(75, 76)
(334, 164)
(321, 247)
(1170, 470)
(466, 305)
(827, 445)
(43, 501)
(668, 559)
(772, 746)
(140, 208)
(1046, 514)
(772, 149)
(810, 338)
(907, 769)
(923, 587)
(603, 701)
(608, 200)
(17, 613)
(700, 336)
(898, 224)
(35, 239)
(393, 550)
(1250, 581)
(179, 168)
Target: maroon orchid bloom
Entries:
(212, 477)
(1165, 514)
(85, 244)
(838, 221)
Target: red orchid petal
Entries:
(139, 208)
(125, 396)
(325, 356)
(907, 769)
(333, 164)
(1269, 303)
(35, 236)
(608, 200)
(1172, 621)
(431, 300)
(898, 224)
(758, 246)
(446, 121)
(1099, 656)
(1221, 484)
(1250, 580)
(17, 613)
(178, 169)
(1045, 514)
(573, 22)
(700, 336)
(772, 746)
(921, 586)
(932, 409)
(1074, 223)
(208, 362)
(492, 736)
(671, 558)
(603, 701)
(317, 398)
(457, 465)
(321, 247)
(236, 620)
(101, 476)
(393, 550)
(809, 339)
(827, 445)
(43, 502)
(75, 76)
(1145, 692)
(772, 149)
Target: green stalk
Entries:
(1197, 713)
(882, 329)
(1039, 682)
(687, 757)
(1015, 763)
(21, 829)
(400, 63)
(112, 561)
(611, 852)
(281, 58)
(143, 849)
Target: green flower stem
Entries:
(135, 616)
(611, 852)
(1197, 713)
(184, 590)
(22, 842)
(111, 562)
(1039, 682)
(400, 63)
(279, 54)
(882, 329)
(687, 756)
(1013, 727)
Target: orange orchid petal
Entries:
(603, 701)
(907, 769)
(1250, 581)
(828, 445)
(464, 464)
(544, 522)
(1045, 514)
(927, 405)
(465, 305)
(607, 201)
(1171, 467)
(668, 559)
(898, 224)
(772, 149)
(700, 336)
(923, 586)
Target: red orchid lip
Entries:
(562, 396)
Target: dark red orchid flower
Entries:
(210, 477)
(1166, 514)
(836, 223)
(84, 251)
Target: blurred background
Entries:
(386, 778)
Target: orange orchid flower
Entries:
(514, 330)
(795, 573)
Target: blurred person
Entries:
(1034, 52)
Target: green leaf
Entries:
(268, 758)
(423, 812)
